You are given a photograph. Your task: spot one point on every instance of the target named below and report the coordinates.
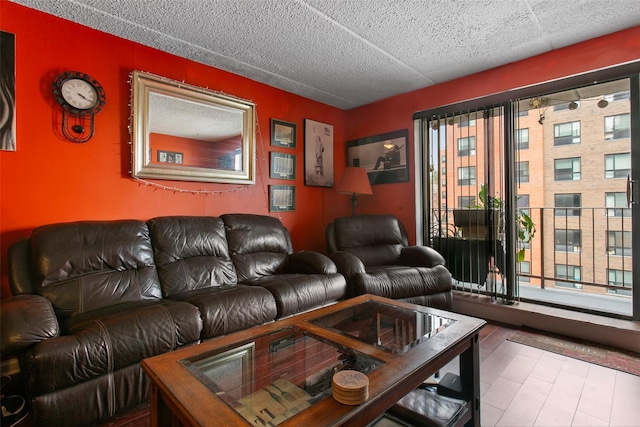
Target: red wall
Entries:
(396, 112)
(49, 179)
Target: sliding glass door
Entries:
(535, 198)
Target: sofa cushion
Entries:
(191, 253)
(83, 266)
(402, 282)
(375, 239)
(295, 293)
(106, 340)
(259, 245)
(227, 309)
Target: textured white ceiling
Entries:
(351, 52)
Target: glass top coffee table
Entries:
(280, 373)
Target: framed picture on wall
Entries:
(383, 156)
(283, 166)
(170, 157)
(283, 134)
(318, 154)
(8, 92)
(282, 198)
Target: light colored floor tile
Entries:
(518, 369)
(575, 366)
(547, 368)
(501, 393)
(489, 415)
(597, 393)
(484, 387)
(562, 401)
(526, 405)
(625, 410)
(584, 420)
(493, 366)
(531, 352)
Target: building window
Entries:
(467, 146)
(621, 278)
(522, 139)
(522, 171)
(563, 201)
(568, 272)
(567, 169)
(617, 165)
(567, 106)
(566, 133)
(465, 123)
(466, 201)
(618, 96)
(524, 271)
(467, 175)
(616, 204)
(523, 203)
(619, 243)
(617, 127)
(567, 240)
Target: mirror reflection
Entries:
(184, 132)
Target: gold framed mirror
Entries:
(188, 133)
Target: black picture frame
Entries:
(283, 134)
(282, 166)
(282, 198)
(170, 157)
(385, 157)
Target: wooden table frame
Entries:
(178, 398)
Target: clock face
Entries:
(79, 93)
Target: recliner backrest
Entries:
(87, 265)
(375, 239)
(191, 253)
(259, 245)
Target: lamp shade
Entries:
(354, 181)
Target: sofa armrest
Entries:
(309, 262)
(421, 256)
(25, 320)
(348, 264)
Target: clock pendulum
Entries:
(81, 97)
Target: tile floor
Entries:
(525, 386)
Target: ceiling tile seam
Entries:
(186, 43)
(364, 40)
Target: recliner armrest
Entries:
(310, 262)
(421, 256)
(25, 320)
(348, 264)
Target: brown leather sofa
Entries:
(373, 253)
(92, 299)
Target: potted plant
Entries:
(487, 216)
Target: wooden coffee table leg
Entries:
(470, 377)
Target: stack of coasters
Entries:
(350, 387)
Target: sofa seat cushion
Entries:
(295, 293)
(227, 309)
(402, 282)
(100, 343)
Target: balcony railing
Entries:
(579, 258)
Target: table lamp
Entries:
(355, 181)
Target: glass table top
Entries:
(275, 376)
(395, 329)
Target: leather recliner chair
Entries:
(374, 255)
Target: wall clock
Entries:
(81, 98)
